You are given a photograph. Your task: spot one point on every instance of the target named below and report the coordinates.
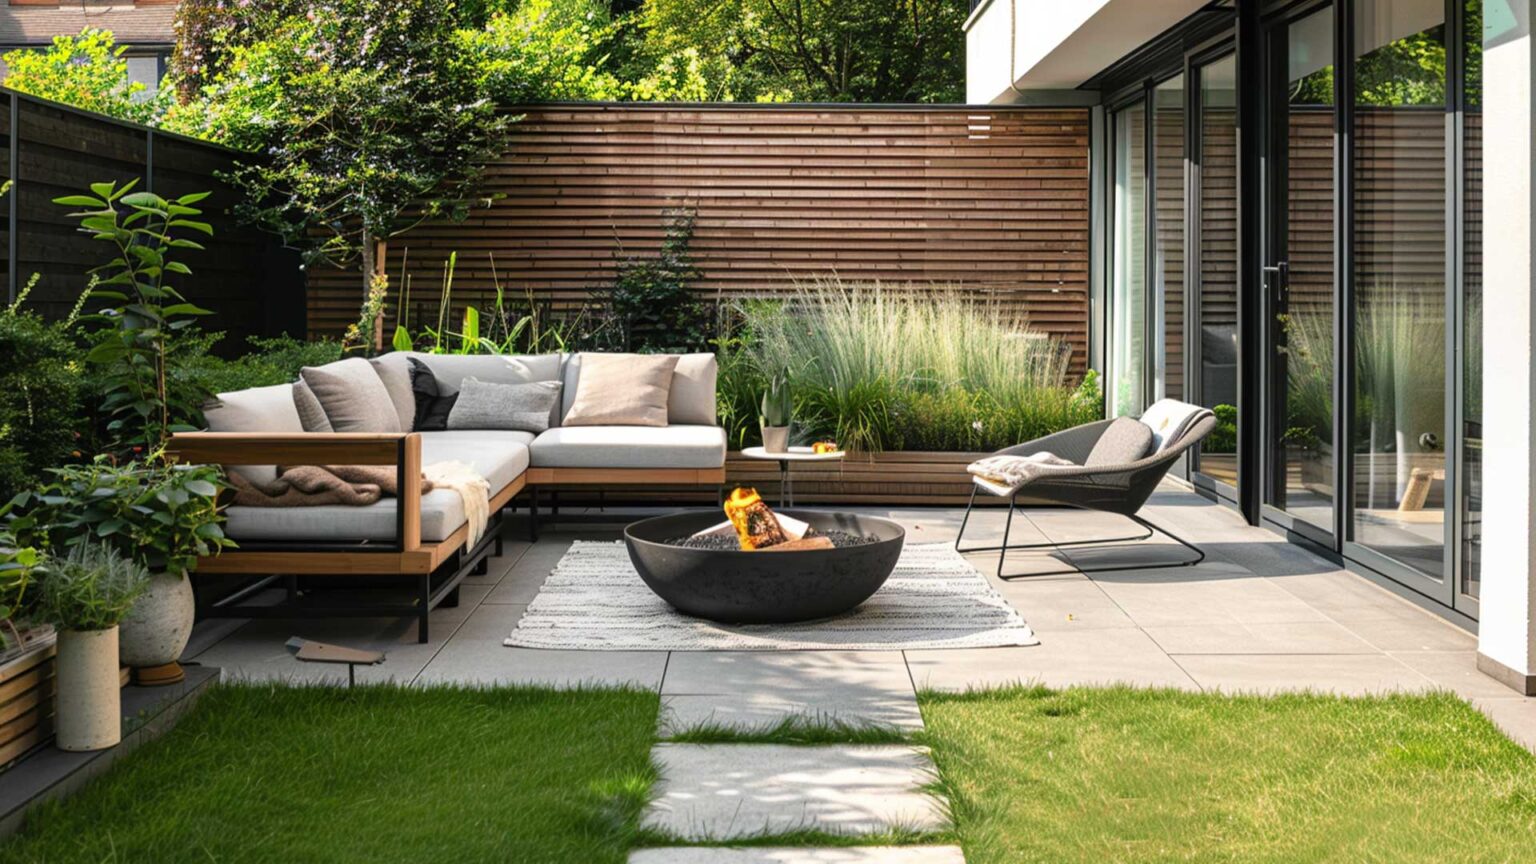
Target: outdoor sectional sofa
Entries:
(424, 538)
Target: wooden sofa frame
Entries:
(436, 568)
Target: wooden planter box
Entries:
(26, 699)
(895, 478)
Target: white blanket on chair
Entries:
(1004, 475)
(473, 489)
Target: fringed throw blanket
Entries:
(320, 485)
(1003, 475)
(473, 490)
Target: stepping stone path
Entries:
(714, 793)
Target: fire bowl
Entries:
(763, 587)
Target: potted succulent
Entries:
(85, 594)
(160, 515)
(777, 408)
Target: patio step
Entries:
(782, 855)
(712, 792)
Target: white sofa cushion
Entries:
(499, 456)
(690, 401)
(630, 447)
(259, 409)
(450, 370)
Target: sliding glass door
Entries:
(1128, 286)
(1213, 322)
(1299, 273)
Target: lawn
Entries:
(1133, 775)
(377, 774)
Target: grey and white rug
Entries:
(595, 600)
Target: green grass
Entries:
(1137, 776)
(377, 774)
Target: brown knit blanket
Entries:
(319, 485)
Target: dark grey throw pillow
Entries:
(1125, 440)
(432, 406)
(519, 407)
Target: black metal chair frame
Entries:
(1118, 489)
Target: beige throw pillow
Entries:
(622, 390)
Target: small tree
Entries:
(87, 71)
(368, 118)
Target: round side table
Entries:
(795, 454)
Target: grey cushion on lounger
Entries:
(1125, 441)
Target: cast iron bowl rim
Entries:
(629, 537)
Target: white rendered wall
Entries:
(1507, 611)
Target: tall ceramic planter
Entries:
(157, 629)
(88, 709)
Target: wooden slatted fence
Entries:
(994, 200)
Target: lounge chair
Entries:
(1116, 466)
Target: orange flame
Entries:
(756, 526)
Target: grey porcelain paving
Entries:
(256, 651)
(766, 855)
(1516, 716)
(759, 689)
(1215, 592)
(1062, 659)
(1455, 671)
(1342, 674)
(1413, 635)
(1236, 637)
(735, 791)
(477, 656)
(1057, 603)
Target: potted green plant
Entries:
(161, 515)
(17, 563)
(85, 594)
(777, 408)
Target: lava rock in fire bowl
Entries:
(736, 586)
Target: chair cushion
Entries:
(622, 390)
(259, 409)
(1125, 440)
(432, 405)
(488, 405)
(353, 396)
(691, 401)
(498, 456)
(630, 447)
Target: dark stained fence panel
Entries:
(254, 287)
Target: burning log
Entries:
(756, 526)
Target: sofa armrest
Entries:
(403, 450)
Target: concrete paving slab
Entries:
(1346, 675)
(256, 651)
(735, 791)
(776, 855)
(1236, 637)
(1515, 716)
(1057, 603)
(1062, 659)
(1425, 632)
(476, 655)
(1456, 671)
(1216, 592)
(756, 689)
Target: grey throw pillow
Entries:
(311, 415)
(1125, 440)
(353, 396)
(488, 405)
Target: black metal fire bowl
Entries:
(762, 587)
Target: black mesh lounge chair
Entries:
(1115, 488)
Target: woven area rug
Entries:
(595, 600)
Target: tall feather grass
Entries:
(877, 368)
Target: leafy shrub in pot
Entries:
(159, 515)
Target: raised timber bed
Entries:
(26, 698)
(893, 478)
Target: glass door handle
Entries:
(1277, 278)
